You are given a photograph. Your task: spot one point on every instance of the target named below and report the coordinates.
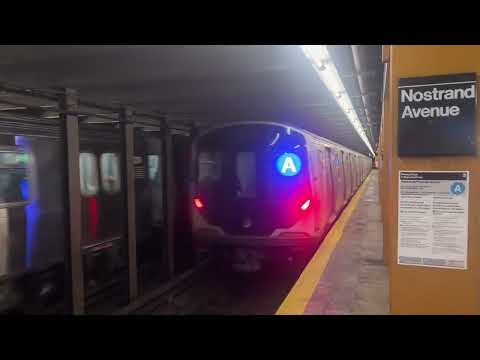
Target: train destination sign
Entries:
(437, 115)
(433, 218)
(289, 164)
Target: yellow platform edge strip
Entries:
(301, 293)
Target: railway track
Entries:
(168, 298)
(207, 291)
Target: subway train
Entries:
(31, 212)
(261, 188)
(33, 251)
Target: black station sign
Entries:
(437, 115)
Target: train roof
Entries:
(316, 138)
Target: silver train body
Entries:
(242, 200)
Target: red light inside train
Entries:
(305, 205)
(198, 203)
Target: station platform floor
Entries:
(347, 274)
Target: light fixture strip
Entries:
(325, 68)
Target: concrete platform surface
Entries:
(354, 278)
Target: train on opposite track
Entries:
(261, 188)
(33, 253)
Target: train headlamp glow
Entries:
(289, 164)
(305, 205)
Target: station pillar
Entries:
(431, 210)
(73, 220)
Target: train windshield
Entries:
(13, 176)
(251, 171)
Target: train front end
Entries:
(251, 191)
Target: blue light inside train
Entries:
(32, 210)
(289, 164)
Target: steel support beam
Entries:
(361, 85)
(69, 103)
(129, 180)
(170, 195)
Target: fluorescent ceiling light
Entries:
(325, 68)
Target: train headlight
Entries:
(305, 205)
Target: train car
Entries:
(262, 188)
(33, 213)
(32, 236)
(33, 252)
(102, 193)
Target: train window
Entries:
(110, 169)
(8, 158)
(209, 166)
(155, 176)
(246, 174)
(13, 177)
(88, 174)
(154, 168)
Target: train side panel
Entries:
(324, 201)
(32, 215)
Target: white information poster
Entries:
(433, 218)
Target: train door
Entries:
(360, 170)
(330, 184)
(342, 176)
(104, 239)
(338, 183)
(358, 166)
(183, 250)
(149, 207)
(353, 177)
(319, 188)
(326, 198)
(361, 166)
(347, 166)
(355, 171)
(337, 180)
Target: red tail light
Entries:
(198, 203)
(305, 205)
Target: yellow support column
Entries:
(429, 290)
(383, 179)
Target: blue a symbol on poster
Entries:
(457, 188)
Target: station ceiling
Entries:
(209, 84)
